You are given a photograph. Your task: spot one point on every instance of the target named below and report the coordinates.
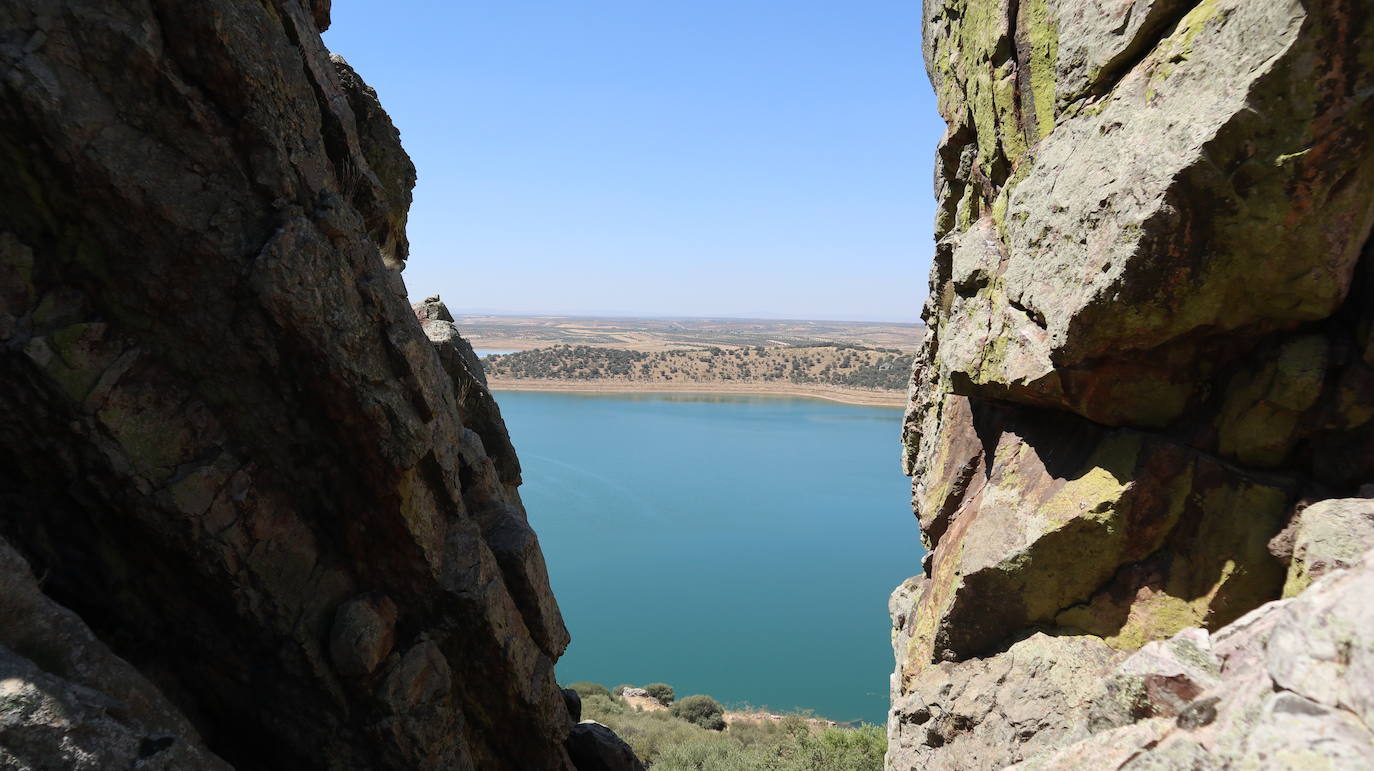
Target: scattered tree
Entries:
(701, 710)
(661, 691)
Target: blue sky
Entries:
(641, 157)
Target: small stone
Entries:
(1198, 714)
(363, 634)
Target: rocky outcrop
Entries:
(1289, 685)
(227, 443)
(1328, 535)
(1150, 321)
(594, 747)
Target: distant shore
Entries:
(862, 398)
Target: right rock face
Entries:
(1290, 685)
(1151, 328)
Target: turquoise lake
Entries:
(738, 546)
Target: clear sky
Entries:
(649, 157)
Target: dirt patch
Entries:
(643, 703)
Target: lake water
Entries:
(738, 546)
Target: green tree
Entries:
(701, 710)
(661, 691)
(585, 689)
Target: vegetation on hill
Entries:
(526, 332)
(671, 740)
(847, 366)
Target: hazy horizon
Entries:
(713, 159)
(459, 310)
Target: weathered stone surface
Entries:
(1291, 685)
(479, 409)
(594, 747)
(989, 713)
(1131, 146)
(385, 203)
(1329, 535)
(225, 438)
(1055, 522)
(363, 634)
(1160, 680)
(1150, 325)
(67, 701)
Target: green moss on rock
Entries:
(1042, 33)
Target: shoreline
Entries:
(828, 393)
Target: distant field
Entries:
(649, 334)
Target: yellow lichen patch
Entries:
(1178, 46)
(1159, 615)
(1042, 32)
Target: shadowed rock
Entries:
(594, 747)
(67, 701)
(225, 438)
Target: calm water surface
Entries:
(733, 545)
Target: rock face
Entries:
(1151, 338)
(1329, 535)
(1289, 685)
(286, 516)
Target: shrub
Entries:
(661, 691)
(859, 748)
(649, 734)
(585, 689)
(600, 705)
(701, 710)
(833, 749)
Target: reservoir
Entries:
(739, 546)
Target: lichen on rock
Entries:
(1149, 318)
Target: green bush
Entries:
(672, 743)
(834, 749)
(585, 689)
(649, 734)
(599, 705)
(661, 691)
(701, 710)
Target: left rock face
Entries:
(67, 702)
(225, 440)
